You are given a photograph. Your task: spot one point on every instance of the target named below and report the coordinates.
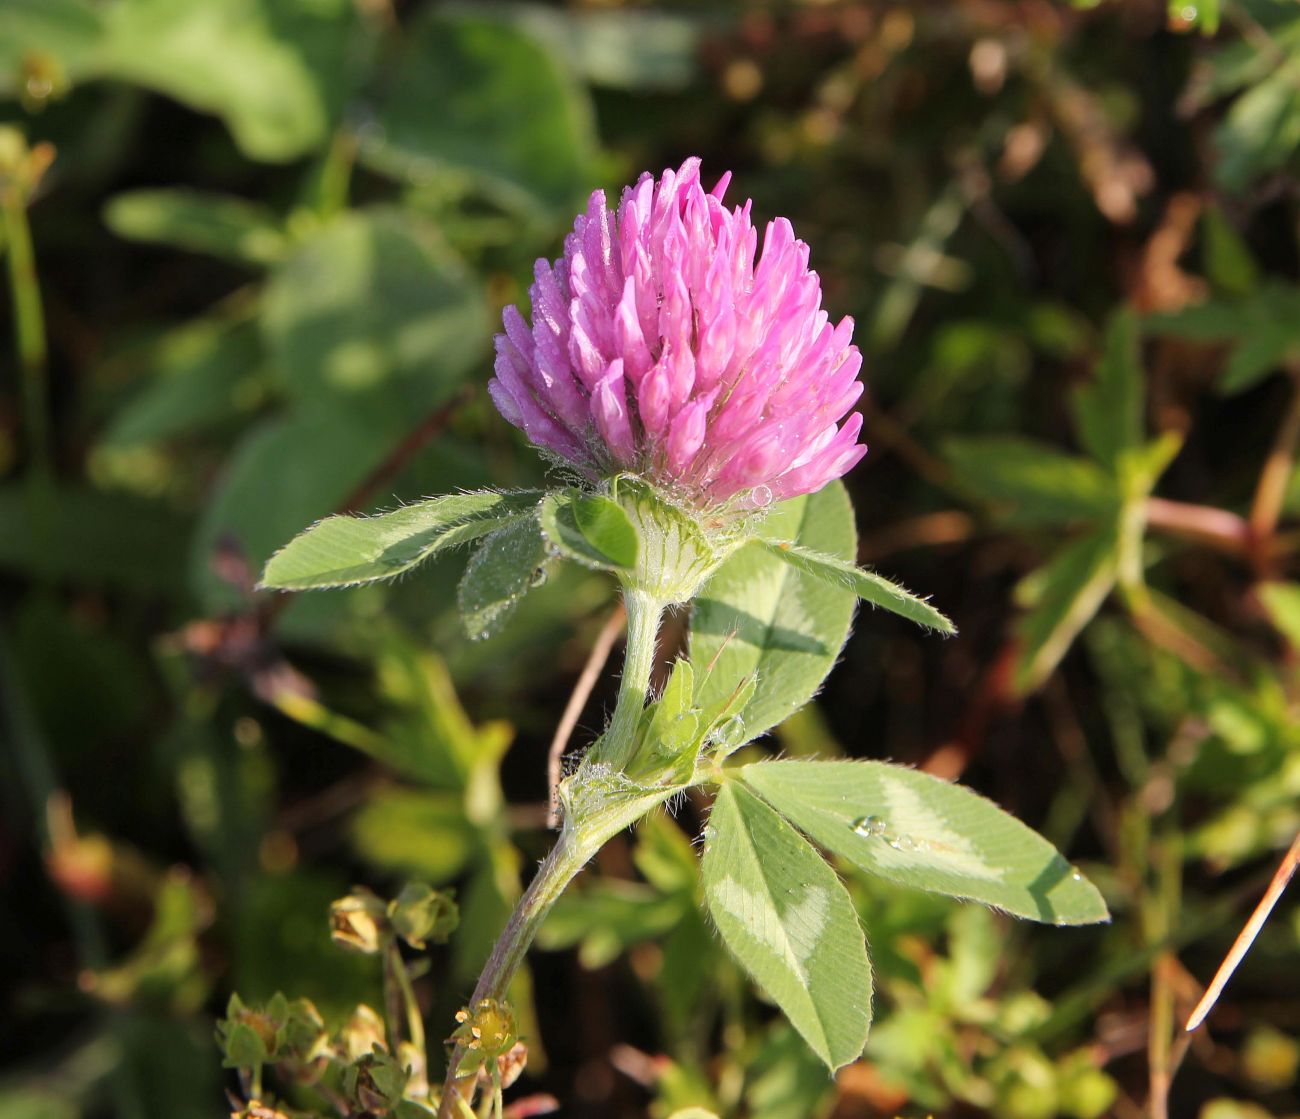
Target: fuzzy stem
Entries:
(560, 867)
(580, 839)
(644, 612)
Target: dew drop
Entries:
(1075, 876)
(538, 577)
(870, 827)
(731, 733)
(760, 497)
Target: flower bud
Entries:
(280, 1031)
(359, 922)
(420, 914)
(376, 1081)
(363, 1033)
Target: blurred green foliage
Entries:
(268, 243)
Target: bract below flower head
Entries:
(660, 345)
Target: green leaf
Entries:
(919, 831)
(758, 616)
(343, 551)
(607, 528)
(372, 326)
(374, 304)
(564, 531)
(1226, 259)
(499, 574)
(421, 834)
(1109, 411)
(505, 113)
(867, 585)
(1261, 327)
(281, 97)
(1039, 484)
(1282, 604)
(199, 375)
(1262, 129)
(671, 732)
(787, 918)
(219, 225)
(1066, 595)
(244, 1048)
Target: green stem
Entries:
(581, 837)
(414, 1023)
(29, 327)
(644, 612)
(567, 857)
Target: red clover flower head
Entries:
(660, 346)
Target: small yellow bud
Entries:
(359, 922)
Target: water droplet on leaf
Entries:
(870, 827)
(731, 733)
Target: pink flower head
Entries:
(660, 346)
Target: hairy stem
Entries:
(643, 615)
(560, 867)
(580, 838)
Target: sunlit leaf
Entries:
(607, 528)
(1282, 601)
(565, 532)
(787, 918)
(57, 34)
(1262, 128)
(758, 616)
(421, 834)
(343, 551)
(919, 831)
(867, 585)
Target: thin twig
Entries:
(1270, 492)
(596, 659)
(1219, 529)
(1247, 936)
